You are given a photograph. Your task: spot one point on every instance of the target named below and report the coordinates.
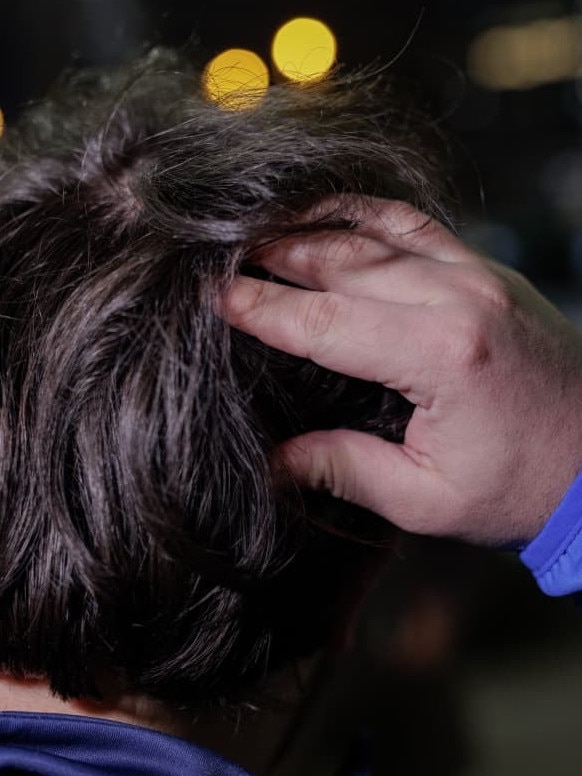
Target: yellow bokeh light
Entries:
(304, 49)
(525, 56)
(236, 79)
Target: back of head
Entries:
(142, 532)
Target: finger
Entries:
(405, 229)
(396, 345)
(366, 470)
(319, 260)
(391, 222)
(387, 231)
(405, 279)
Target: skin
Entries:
(253, 741)
(262, 740)
(494, 370)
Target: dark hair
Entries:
(140, 528)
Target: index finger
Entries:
(397, 345)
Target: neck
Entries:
(252, 741)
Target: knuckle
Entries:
(490, 287)
(339, 477)
(322, 463)
(244, 301)
(496, 293)
(332, 258)
(321, 315)
(409, 221)
(405, 214)
(470, 346)
(257, 296)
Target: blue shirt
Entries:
(555, 555)
(66, 745)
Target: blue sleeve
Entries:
(555, 555)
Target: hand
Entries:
(494, 370)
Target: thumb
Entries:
(366, 470)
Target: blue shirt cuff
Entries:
(555, 555)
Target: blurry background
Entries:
(505, 76)
(464, 668)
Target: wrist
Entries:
(554, 556)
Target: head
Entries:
(144, 536)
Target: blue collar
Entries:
(64, 745)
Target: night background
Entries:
(499, 691)
(517, 149)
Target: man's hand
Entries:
(494, 370)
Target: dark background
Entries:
(518, 157)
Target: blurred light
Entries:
(236, 79)
(1, 123)
(304, 49)
(522, 57)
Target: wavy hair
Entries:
(140, 527)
